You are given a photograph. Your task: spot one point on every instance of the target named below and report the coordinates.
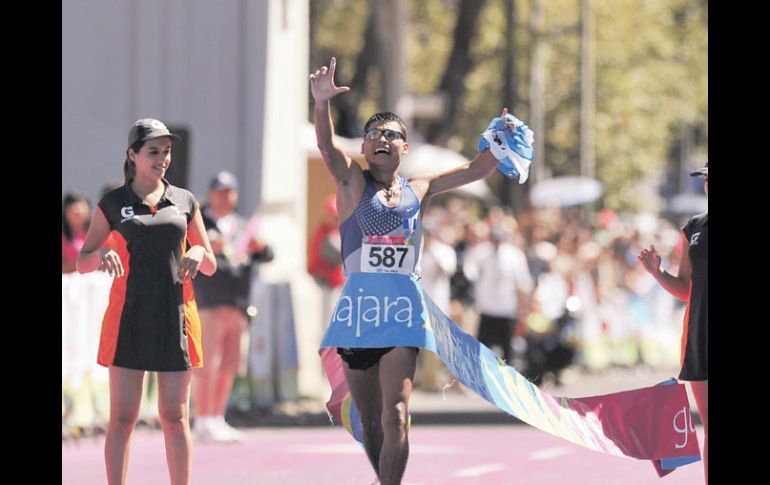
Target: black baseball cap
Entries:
(701, 171)
(148, 129)
(224, 180)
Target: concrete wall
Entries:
(189, 63)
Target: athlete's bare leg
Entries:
(365, 390)
(397, 369)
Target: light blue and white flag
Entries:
(512, 147)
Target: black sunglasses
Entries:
(376, 133)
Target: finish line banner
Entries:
(386, 310)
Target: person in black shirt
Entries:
(691, 285)
(223, 301)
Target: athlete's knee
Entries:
(395, 416)
(370, 419)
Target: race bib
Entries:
(387, 254)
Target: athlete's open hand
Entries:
(322, 83)
(511, 124)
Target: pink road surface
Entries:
(440, 455)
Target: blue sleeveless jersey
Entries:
(373, 218)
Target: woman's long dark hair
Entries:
(129, 167)
(69, 199)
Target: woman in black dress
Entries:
(151, 322)
(691, 285)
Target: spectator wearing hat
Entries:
(223, 302)
(690, 284)
(151, 322)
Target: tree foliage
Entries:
(651, 77)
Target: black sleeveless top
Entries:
(695, 340)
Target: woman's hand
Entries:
(191, 261)
(650, 260)
(110, 262)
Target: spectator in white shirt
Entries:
(503, 286)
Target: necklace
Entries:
(391, 190)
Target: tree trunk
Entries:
(391, 27)
(511, 193)
(348, 122)
(458, 66)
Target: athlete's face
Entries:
(153, 159)
(706, 184)
(384, 143)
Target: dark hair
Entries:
(69, 199)
(129, 167)
(385, 116)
